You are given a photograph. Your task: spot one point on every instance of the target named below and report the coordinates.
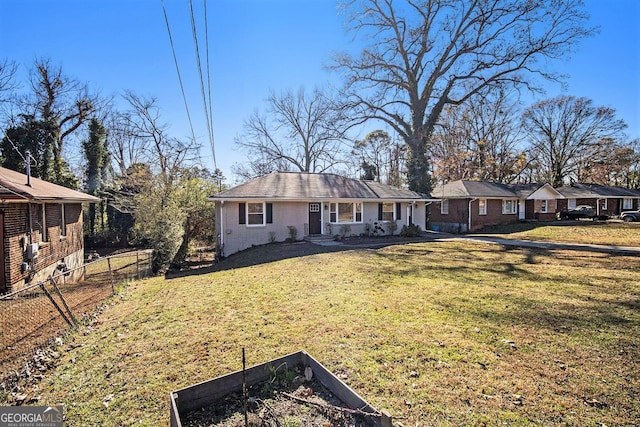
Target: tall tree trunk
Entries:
(418, 165)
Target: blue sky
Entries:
(257, 46)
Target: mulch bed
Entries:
(286, 400)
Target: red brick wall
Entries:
(494, 215)
(453, 222)
(51, 251)
(457, 219)
(613, 205)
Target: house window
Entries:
(482, 206)
(43, 221)
(63, 223)
(255, 213)
(345, 212)
(444, 207)
(627, 203)
(388, 210)
(544, 206)
(509, 207)
(571, 204)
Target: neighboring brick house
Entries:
(463, 206)
(40, 230)
(263, 210)
(608, 201)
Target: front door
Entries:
(315, 218)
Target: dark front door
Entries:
(315, 218)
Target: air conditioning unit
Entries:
(32, 251)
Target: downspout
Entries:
(27, 166)
(469, 219)
(222, 227)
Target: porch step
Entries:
(322, 240)
(319, 238)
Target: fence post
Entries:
(138, 265)
(113, 289)
(55, 304)
(64, 301)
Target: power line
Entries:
(202, 88)
(206, 34)
(175, 60)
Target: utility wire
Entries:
(175, 60)
(206, 34)
(202, 89)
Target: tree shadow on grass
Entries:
(272, 252)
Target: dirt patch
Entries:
(289, 399)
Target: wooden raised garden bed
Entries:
(293, 387)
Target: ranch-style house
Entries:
(285, 205)
(40, 230)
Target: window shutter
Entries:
(379, 211)
(398, 211)
(269, 213)
(242, 213)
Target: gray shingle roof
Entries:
(467, 189)
(588, 191)
(462, 189)
(309, 186)
(13, 185)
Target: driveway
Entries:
(430, 236)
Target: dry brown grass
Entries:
(450, 333)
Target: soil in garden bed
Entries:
(288, 399)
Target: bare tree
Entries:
(148, 136)
(479, 140)
(8, 71)
(564, 131)
(427, 54)
(304, 131)
(125, 149)
(65, 105)
(381, 158)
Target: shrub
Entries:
(377, 229)
(329, 228)
(392, 226)
(344, 230)
(412, 230)
(293, 233)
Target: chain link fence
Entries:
(35, 315)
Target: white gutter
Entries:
(469, 220)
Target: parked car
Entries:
(582, 211)
(630, 216)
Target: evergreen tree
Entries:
(97, 155)
(30, 135)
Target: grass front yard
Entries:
(583, 231)
(447, 333)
